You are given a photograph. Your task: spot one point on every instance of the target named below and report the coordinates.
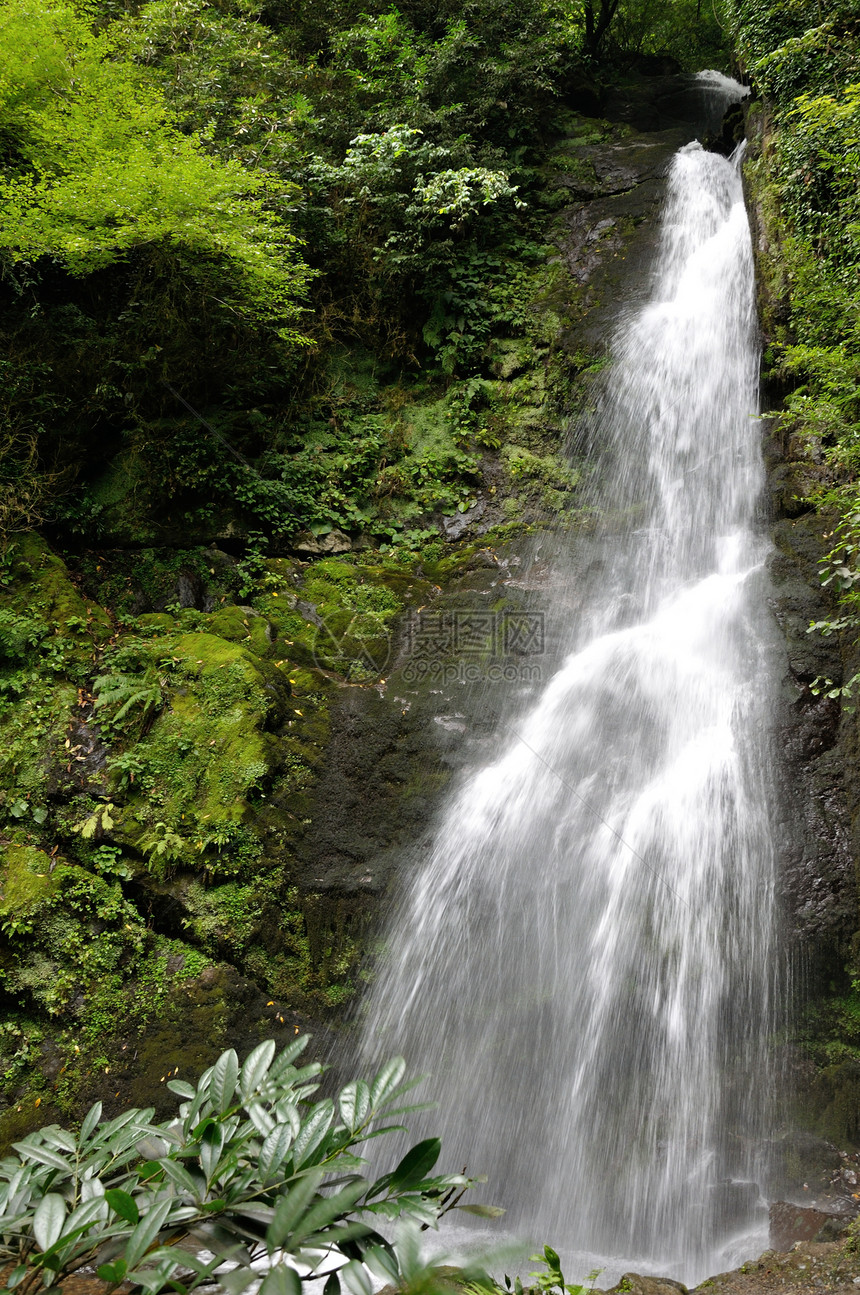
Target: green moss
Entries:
(224, 917)
(206, 756)
(26, 881)
(548, 475)
(40, 584)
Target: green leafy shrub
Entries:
(251, 1168)
(98, 169)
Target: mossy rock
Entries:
(26, 880)
(41, 586)
(205, 755)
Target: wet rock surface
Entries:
(792, 1223)
(808, 1268)
(819, 886)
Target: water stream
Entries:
(585, 963)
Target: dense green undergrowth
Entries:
(804, 174)
(162, 764)
(806, 65)
(323, 230)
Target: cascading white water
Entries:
(584, 964)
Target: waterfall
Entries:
(584, 965)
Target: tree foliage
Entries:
(95, 167)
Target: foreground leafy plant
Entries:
(251, 1171)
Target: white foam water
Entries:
(585, 962)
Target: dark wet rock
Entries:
(817, 870)
(309, 612)
(80, 765)
(51, 1059)
(653, 103)
(189, 590)
(735, 1202)
(800, 1162)
(791, 1223)
(456, 527)
(607, 237)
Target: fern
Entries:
(129, 701)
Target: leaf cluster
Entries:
(253, 1168)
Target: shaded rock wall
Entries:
(818, 753)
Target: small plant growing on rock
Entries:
(552, 1279)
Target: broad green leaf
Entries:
(356, 1278)
(417, 1209)
(327, 1209)
(211, 1146)
(84, 1216)
(274, 1151)
(222, 1085)
(416, 1164)
(387, 1209)
(91, 1119)
(281, 1280)
(407, 1247)
(290, 1209)
(297, 1078)
(60, 1139)
(30, 1151)
(140, 1119)
(288, 1113)
(181, 1089)
(112, 1272)
(383, 1264)
(152, 1148)
(482, 1211)
(387, 1080)
(92, 1189)
(123, 1205)
(146, 1231)
(285, 1059)
(332, 1285)
(255, 1067)
(354, 1102)
(183, 1178)
(48, 1220)
(260, 1118)
(312, 1132)
(16, 1276)
(399, 1090)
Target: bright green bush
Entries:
(96, 167)
(252, 1168)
